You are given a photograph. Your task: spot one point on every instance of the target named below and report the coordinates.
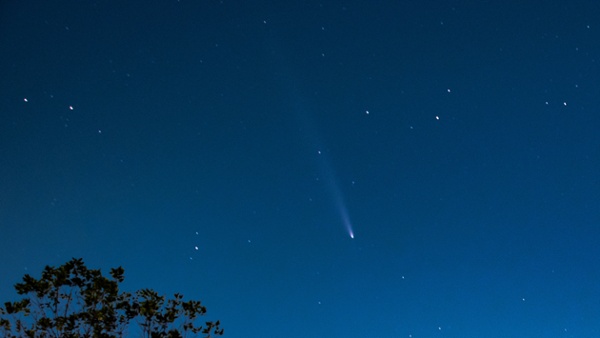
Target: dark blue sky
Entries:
(225, 149)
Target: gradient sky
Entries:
(225, 149)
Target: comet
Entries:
(328, 174)
(340, 204)
(345, 217)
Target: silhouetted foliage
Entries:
(73, 301)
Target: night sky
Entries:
(312, 169)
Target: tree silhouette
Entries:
(73, 301)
